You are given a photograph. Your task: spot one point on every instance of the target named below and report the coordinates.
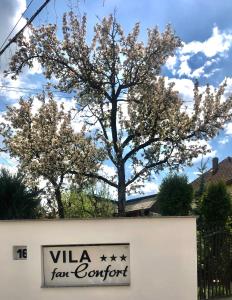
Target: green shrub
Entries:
(216, 204)
(175, 196)
(16, 200)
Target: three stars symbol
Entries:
(113, 257)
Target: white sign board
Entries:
(86, 265)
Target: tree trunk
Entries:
(59, 203)
(121, 191)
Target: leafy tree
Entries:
(216, 205)
(87, 203)
(200, 191)
(175, 196)
(47, 146)
(16, 200)
(142, 121)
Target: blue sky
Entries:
(205, 28)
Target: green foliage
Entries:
(86, 204)
(202, 169)
(200, 191)
(216, 204)
(16, 200)
(175, 196)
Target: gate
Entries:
(214, 262)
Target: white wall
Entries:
(162, 257)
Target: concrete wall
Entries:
(163, 257)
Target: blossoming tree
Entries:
(47, 146)
(141, 119)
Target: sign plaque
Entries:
(20, 252)
(86, 265)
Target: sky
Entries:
(205, 28)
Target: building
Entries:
(142, 206)
(220, 171)
(148, 205)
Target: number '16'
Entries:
(22, 253)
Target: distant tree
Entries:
(216, 205)
(47, 147)
(16, 200)
(175, 196)
(86, 204)
(201, 189)
(142, 121)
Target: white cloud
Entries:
(8, 163)
(70, 105)
(184, 68)
(184, 87)
(36, 69)
(10, 12)
(107, 171)
(10, 89)
(217, 43)
(198, 72)
(228, 129)
(146, 189)
(224, 140)
(150, 187)
(21, 6)
(212, 152)
(171, 62)
(228, 89)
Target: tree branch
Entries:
(141, 146)
(91, 175)
(146, 168)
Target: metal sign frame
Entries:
(120, 264)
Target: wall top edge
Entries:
(99, 219)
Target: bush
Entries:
(175, 196)
(16, 200)
(216, 204)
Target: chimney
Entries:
(215, 165)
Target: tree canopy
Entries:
(175, 196)
(47, 146)
(216, 205)
(130, 108)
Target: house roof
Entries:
(223, 172)
(141, 203)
